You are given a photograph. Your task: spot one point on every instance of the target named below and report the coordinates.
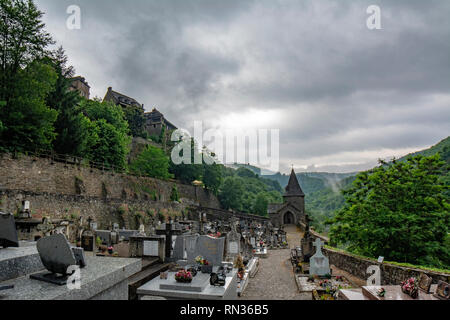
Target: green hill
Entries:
(322, 204)
(443, 148)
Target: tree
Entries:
(108, 141)
(152, 162)
(71, 125)
(22, 41)
(187, 172)
(230, 194)
(136, 120)
(398, 211)
(261, 204)
(27, 122)
(212, 177)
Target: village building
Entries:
(81, 85)
(122, 100)
(292, 210)
(155, 122)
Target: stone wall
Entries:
(58, 189)
(390, 274)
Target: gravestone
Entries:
(57, 256)
(8, 232)
(233, 242)
(210, 249)
(306, 243)
(319, 264)
(253, 242)
(179, 249)
(169, 230)
(190, 246)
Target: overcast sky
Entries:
(342, 95)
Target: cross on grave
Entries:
(318, 244)
(168, 232)
(318, 263)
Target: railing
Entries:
(74, 160)
(232, 213)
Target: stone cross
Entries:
(168, 232)
(318, 244)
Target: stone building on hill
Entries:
(155, 121)
(80, 84)
(152, 122)
(292, 210)
(122, 100)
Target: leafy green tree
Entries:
(398, 211)
(136, 121)
(261, 204)
(71, 126)
(152, 162)
(212, 177)
(185, 172)
(230, 194)
(22, 39)
(108, 141)
(27, 122)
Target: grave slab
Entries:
(102, 278)
(395, 293)
(227, 292)
(17, 262)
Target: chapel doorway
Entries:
(288, 218)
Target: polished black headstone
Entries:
(8, 232)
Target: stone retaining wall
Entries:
(390, 274)
(58, 189)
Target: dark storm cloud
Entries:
(343, 95)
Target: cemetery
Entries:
(186, 259)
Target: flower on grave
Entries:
(183, 276)
(410, 287)
(199, 259)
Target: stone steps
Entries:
(151, 268)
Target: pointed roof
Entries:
(293, 187)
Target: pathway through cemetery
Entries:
(275, 278)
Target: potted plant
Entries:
(110, 250)
(410, 287)
(183, 276)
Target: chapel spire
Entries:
(293, 187)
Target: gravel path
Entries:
(275, 278)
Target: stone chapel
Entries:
(292, 210)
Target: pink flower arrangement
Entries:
(183, 276)
(410, 287)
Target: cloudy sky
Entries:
(341, 95)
